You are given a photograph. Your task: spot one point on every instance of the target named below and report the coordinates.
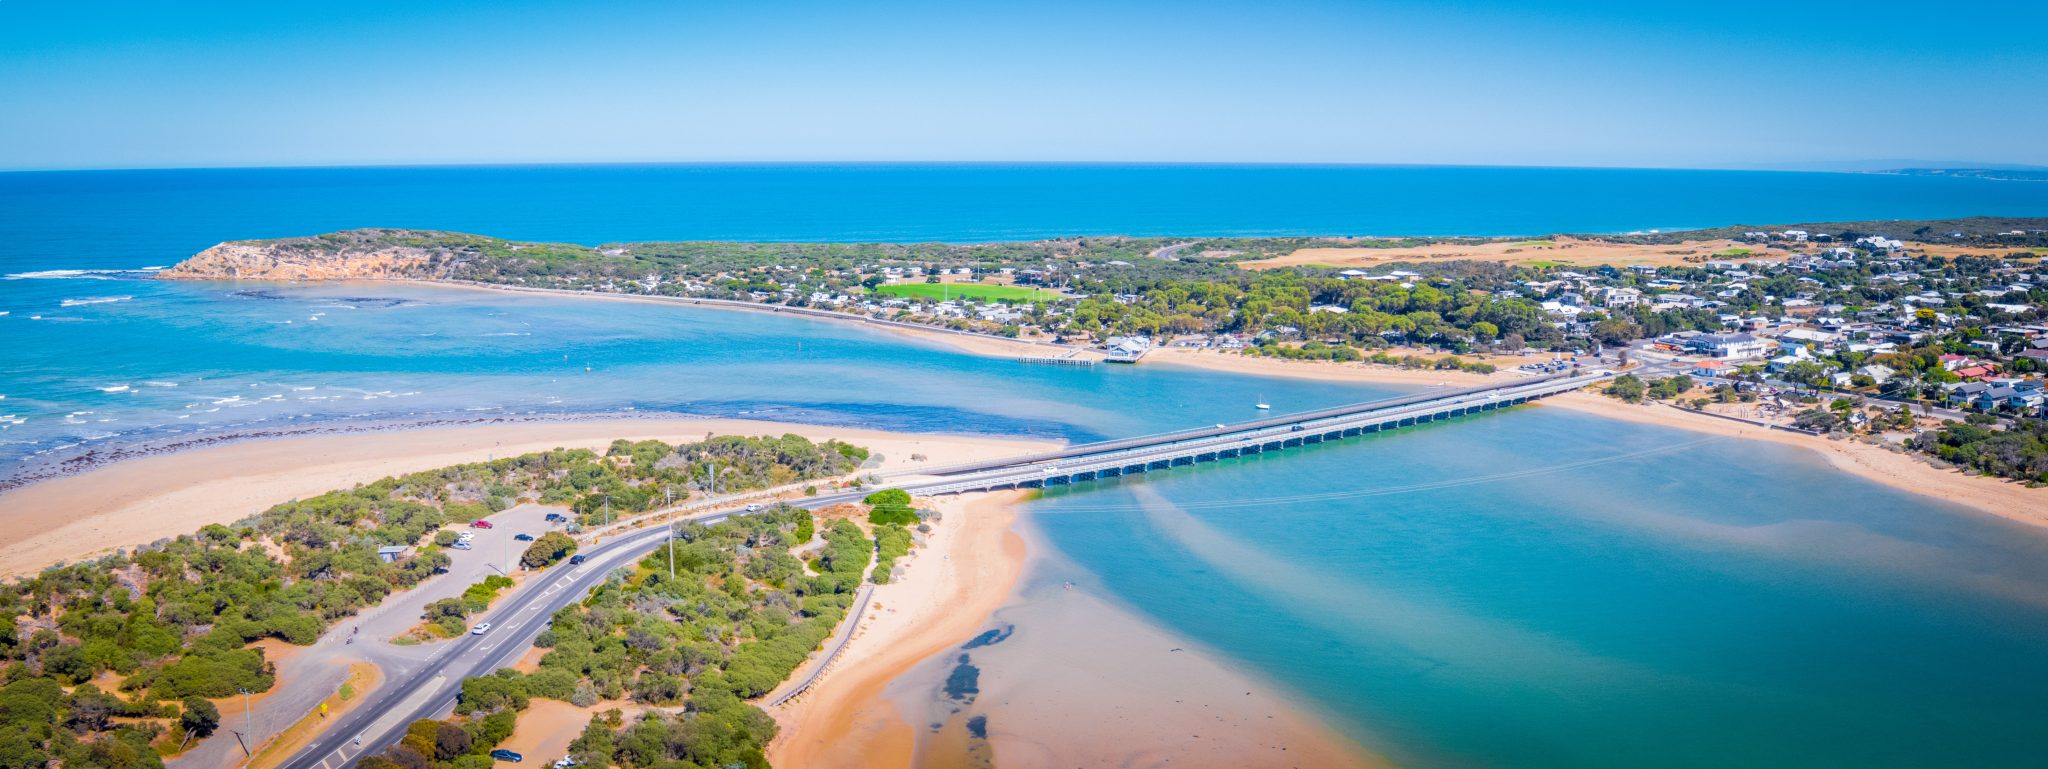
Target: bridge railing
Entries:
(1171, 450)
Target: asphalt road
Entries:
(426, 690)
(430, 689)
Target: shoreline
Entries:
(971, 342)
(137, 501)
(855, 717)
(932, 607)
(1899, 470)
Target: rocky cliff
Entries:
(353, 254)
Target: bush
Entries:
(890, 507)
(547, 549)
(200, 717)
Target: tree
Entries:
(200, 717)
(1817, 420)
(546, 550)
(1627, 387)
(890, 507)
(450, 740)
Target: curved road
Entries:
(426, 692)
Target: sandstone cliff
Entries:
(338, 256)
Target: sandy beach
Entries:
(1874, 463)
(142, 500)
(943, 598)
(951, 592)
(1332, 371)
(973, 343)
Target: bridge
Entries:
(1112, 459)
(522, 615)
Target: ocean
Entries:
(1533, 588)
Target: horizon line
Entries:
(1019, 163)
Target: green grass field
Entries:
(1534, 243)
(1734, 252)
(976, 291)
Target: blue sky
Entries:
(112, 84)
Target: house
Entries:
(1966, 393)
(391, 553)
(1127, 349)
(1621, 297)
(1878, 374)
(1711, 368)
(1729, 346)
(2011, 396)
(1975, 372)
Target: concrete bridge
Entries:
(1110, 459)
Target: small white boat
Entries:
(1263, 405)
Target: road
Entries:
(418, 689)
(429, 686)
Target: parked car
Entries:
(481, 524)
(575, 560)
(480, 629)
(567, 762)
(502, 754)
(556, 518)
(523, 537)
(463, 544)
(466, 536)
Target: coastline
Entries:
(1331, 371)
(845, 720)
(857, 715)
(1907, 472)
(964, 341)
(136, 501)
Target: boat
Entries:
(1263, 405)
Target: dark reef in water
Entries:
(964, 682)
(990, 638)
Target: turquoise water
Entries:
(1541, 588)
(1525, 589)
(83, 333)
(179, 359)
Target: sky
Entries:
(1735, 83)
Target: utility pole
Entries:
(607, 509)
(248, 730)
(671, 549)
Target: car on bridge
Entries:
(480, 629)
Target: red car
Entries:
(480, 524)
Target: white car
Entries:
(480, 629)
(465, 537)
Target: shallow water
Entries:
(1532, 588)
(1541, 588)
